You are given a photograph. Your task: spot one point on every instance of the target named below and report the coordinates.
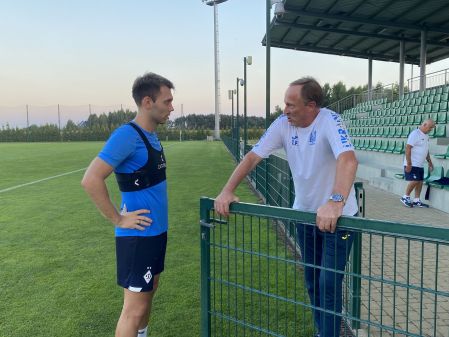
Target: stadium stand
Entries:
(379, 131)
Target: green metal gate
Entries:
(396, 283)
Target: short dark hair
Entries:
(149, 85)
(311, 90)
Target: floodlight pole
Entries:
(268, 61)
(267, 84)
(237, 128)
(231, 97)
(217, 66)
(247, 60)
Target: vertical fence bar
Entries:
(356, 265)
(205, 270)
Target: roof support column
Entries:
(370, 78)
(422, 61)
(401, 68)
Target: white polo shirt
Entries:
(312, 154)
(420, 147)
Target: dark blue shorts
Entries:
(139, 259)
(416, 174)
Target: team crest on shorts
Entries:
(148, 276)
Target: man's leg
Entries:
(310, 246)
(418, 189)
(145, 319)
(405, 199)
(135, 307)
(337, 247)
(410, 187)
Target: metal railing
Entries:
(389, 92)
(252, 279)
(434, 79)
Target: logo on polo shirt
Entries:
(295, 140)
(312, 137)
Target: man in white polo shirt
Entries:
(323, 165)
(416, 151)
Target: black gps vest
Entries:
(152, 173)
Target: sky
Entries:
(85, 55)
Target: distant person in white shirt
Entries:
(323, 165)
(416, 151)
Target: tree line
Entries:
(99, 128)
(190, 127)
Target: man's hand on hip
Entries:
(134, 220)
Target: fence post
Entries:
(205, 269)
(356, 258)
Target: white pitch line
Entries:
(40, 180)
(48, 178)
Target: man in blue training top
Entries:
(135, 155)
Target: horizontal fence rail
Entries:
(252, 276)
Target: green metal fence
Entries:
(252, 283)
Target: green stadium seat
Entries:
(433, 91)
(428, 107)
(445, 89)
(360, 143)
(431, 99)
(399, 175)
(384, 146)
(378, 146)
(435, 107)
(365, 131)
(367, 144)
(391, 146)
(424, 100)
(443, 106)
(396, 120)
(435, 174)
(443, 155)
(406, 131)
(390, 120)
(417, 120)
(439, 90)
(411, 119)
(418, 101)
(389, 132)
(444, 97)
(437, 98)
(433, 116)
(399, 147)
(397, 131)
(415, 109)
(439, 131)
(441, 118)
(370, 145)
(404, 120)
(421, 108)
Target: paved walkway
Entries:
(386, 298)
